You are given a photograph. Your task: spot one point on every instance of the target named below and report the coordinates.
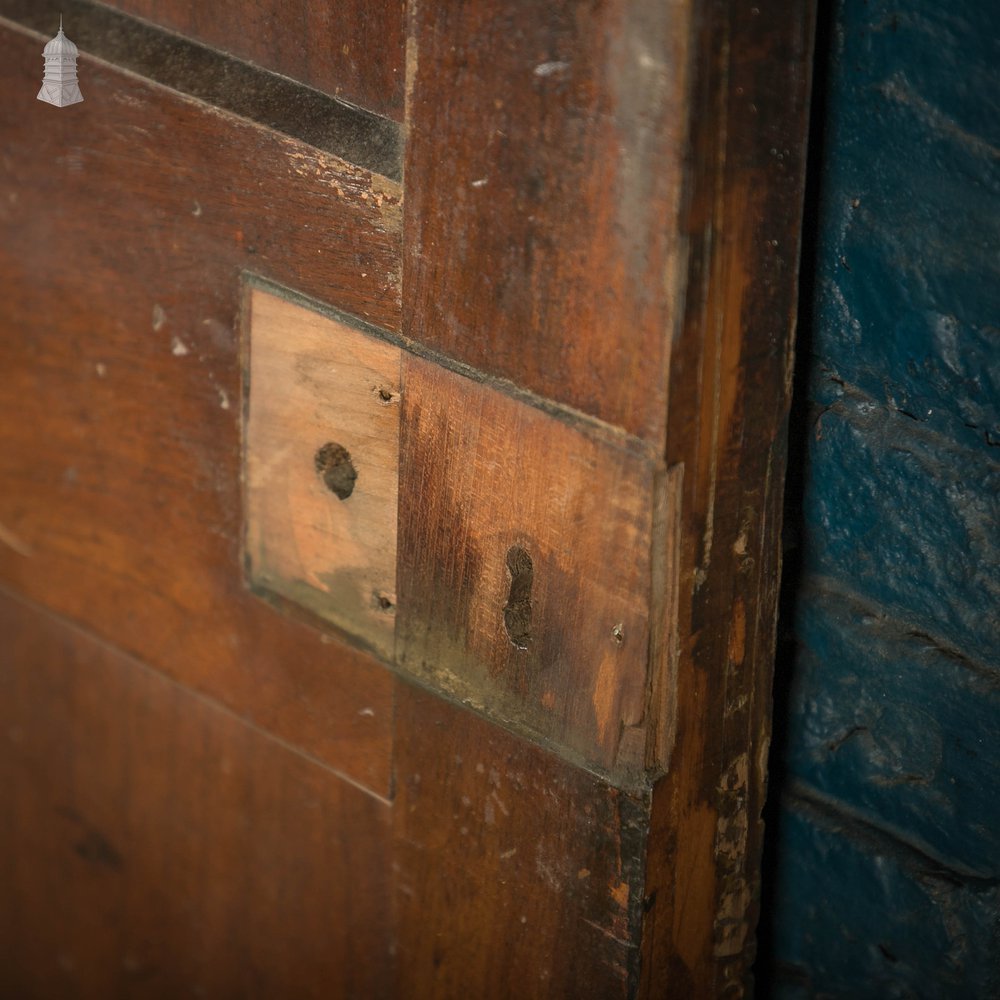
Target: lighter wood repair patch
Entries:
(322, 466)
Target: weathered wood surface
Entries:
(152, 844)
(322, 465)
(543, 173)
(123, 230)
(517, 874)
(524, 258)
(730, 388)
(524, 566)
(352, 49)
(507, 508)
(550, 153)
(228, 84)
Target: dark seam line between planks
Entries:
(269, 99)
(101, 642)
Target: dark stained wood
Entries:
(154, 845)
(729, 396)
(561, 650)
(602, 204)
(547, 248)
(124, 226)
(516, 874)
(229, 84)
(352, 49)
(543, 170)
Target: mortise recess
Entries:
(502, 507)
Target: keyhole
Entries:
(517, 611)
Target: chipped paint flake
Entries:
(554, 68)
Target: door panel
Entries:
(122, 239)
(588, 270)
(157, 845)
(518, 874)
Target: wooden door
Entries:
(391, 451)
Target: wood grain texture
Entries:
(486, 478)
(123, 232)
(154, 845)
(516, 874)
(729, 397)
(527, 257)
(318, 387)
(543, 172)
(352, 49)
(550, 152)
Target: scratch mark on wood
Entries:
(609, 934)
(18, 545)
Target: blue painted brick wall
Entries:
(898, 729)
(909, 274)
(863, 918)
(908, 519)
(886, 782)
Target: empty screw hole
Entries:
(385, 395)
(382, 603)
(335, 468)
(517, 610)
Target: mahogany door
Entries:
(391, 450)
